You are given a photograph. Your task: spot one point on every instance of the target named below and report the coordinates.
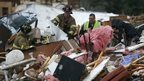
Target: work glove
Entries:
(71, 32)
(74, 30)
(54, 22)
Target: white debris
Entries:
(14, 56)
(96, 70)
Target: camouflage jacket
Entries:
(65, 24)
(21, 41)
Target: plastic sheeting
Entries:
(15, 20)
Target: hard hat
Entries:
(26, 28)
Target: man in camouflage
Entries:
(66, 22)
(22, 39)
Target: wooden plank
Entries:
(122, 17)
(70, 44)
(47, 49)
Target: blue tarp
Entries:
(129, 58)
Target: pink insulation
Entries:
(100, 37)
(67, 53)
(50, 78)
(83, 58)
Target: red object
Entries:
(100, 37)
(50, 78)
(123, 75)
(113, 74)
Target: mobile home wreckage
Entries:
(55, 58)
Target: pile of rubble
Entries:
(136, 20)
(68, 63)
(55, 60)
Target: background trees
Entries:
(126, 7)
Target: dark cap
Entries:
(67, 8)
(26, 28)
(92, 15)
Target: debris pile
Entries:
(73, 64)
(137, 20)
(90, 57)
